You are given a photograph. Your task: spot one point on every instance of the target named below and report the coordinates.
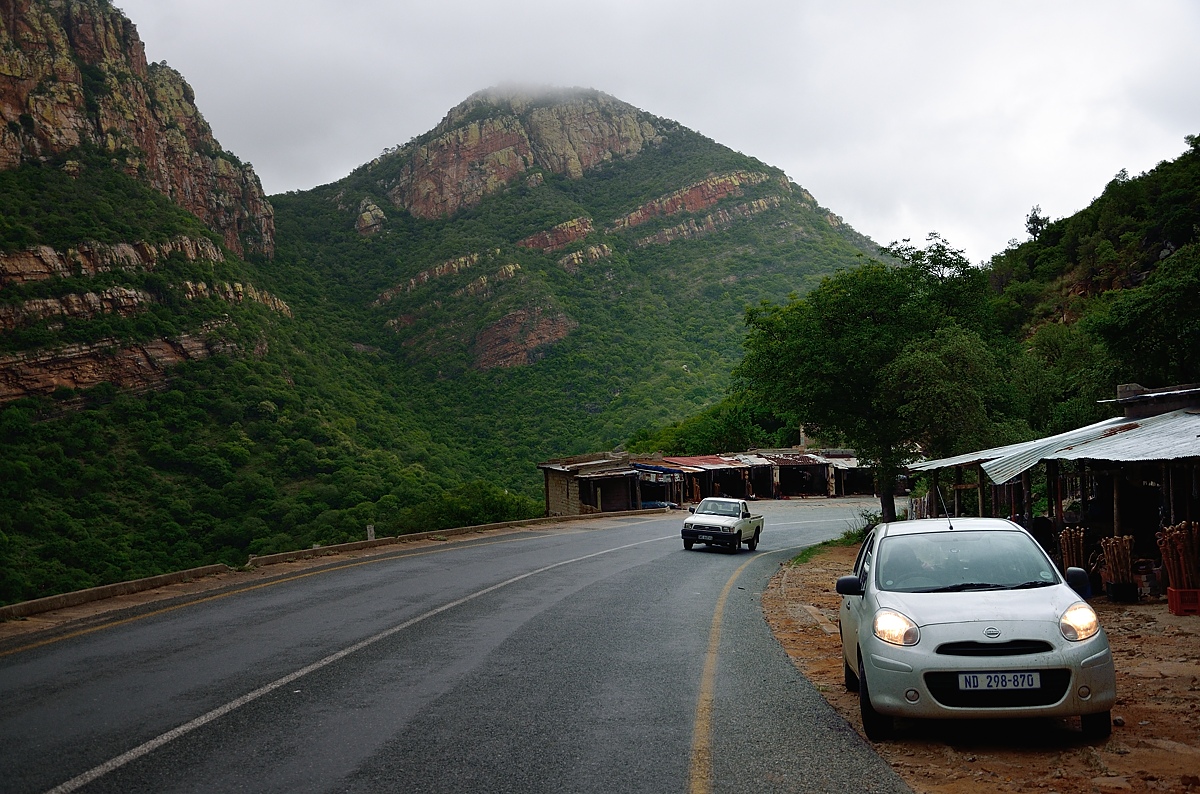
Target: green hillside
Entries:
(1102, 297)
(345, 410)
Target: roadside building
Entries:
(1130, 476)
(714, 475)
(603, 482)
(614, 481)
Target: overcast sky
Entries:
(902, 117)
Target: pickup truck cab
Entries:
(722, 522)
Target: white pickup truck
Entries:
(722, 522)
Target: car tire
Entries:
(687, 544)
(848, 675)
(736, 547)
(752, 544)
(1096, 726)
(876, 726)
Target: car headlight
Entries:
(892, 627)
(1079, 622)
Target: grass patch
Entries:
(853, 536)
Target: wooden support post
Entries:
(1169, 487)
(935, 497)
(1117, 503)
(979, 491)
(1054, 495)
(957, 491)
(1083, 491)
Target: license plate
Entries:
(1005, 680)
(704, 537)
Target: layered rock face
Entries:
(81, 366)
(88, 259)
(558, 237)
(520, 337)
(74, 72)
(693, 198)
(496, 136)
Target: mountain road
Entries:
(593, 656)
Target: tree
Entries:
(849, 360)
(1151, 331)
(1036, 222)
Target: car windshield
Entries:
(713, 508)
(962, 561)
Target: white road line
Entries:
(157, 742)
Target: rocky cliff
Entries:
(88, 259)
(499, 135)
(134, 367)
(74, 72)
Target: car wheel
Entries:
(850, 677)
(876, 726)
(1096, 726)
(752, 544)
(687, 544)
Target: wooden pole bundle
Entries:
(1118, 558)
(1180, 547)
(1070, 542)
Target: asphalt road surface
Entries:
(593, 656)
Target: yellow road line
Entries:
(700, 773)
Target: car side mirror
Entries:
(1080, 582)
(849, 586)
(691, 509)
(746, 514)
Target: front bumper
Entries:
(715, 536)
(917, 681)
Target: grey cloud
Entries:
(902, 118)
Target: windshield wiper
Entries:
(961, 586)
(1031, 585)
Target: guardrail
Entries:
(63, 600)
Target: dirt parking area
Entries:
(1155, 743)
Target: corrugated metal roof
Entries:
(607, 473)
(1167, 436)
(705, 461)
(794, 459)
(971, 458)
(750, 459)
(637, 464)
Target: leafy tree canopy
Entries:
(880, 358)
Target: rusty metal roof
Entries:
(706, 462)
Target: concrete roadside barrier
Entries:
(63, 600)
(337, 548)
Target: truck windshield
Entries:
(714, 508)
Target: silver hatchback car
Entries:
(968, 618)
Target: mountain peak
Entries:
(505, 133)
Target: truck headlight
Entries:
(894, 628)
(1079, 622)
